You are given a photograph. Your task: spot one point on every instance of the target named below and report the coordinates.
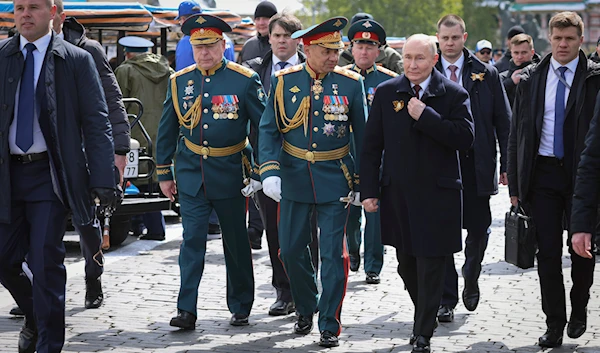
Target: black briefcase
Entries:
(520, 245)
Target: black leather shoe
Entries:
(373, 278)
(354, 262)
(281, 307)
(421, 345)
(576, 326)
(412, 339)
(255, 239)
(552, 338)
(470, 295)
(239, 320)
(28, 337)
(445, 314)
(304, 325)
(16, 311)
(328, 339)
(93, 293)
(184, 320)
(152, 236)
(214, 228)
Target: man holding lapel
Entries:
(53, 105)
(421, 120)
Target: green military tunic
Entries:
(373, 247)
(305, 139)
(389, 58)
(204, 125)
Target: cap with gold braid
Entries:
(204, 29)
(326, 34)
(367, 31)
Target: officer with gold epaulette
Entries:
(313, 107)
(204, 124)
(367, 38)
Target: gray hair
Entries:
(427, 40)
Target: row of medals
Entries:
(227, 111)
(333, 112)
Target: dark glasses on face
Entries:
(485, 52)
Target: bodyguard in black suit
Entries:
(421, 120)
(554, 104)
(491, 116)
(53, 105)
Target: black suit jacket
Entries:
(420, 198)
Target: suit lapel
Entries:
(575, 90)
(537, 106)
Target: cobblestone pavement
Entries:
(142, 278)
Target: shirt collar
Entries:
(571, 65)
(292, 61)
(459, 63)
(423, 84)
(61, 35)
(41, 44)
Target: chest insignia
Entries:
(328, 129)
(398, 105)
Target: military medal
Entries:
(185, 105)
(294, 99)
(317, 89)
(328, 129)
(189, 90)
(398, 105)
(341, 131)
(370, 95)
(217, 107)
(334, 86)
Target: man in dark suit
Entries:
(56, 155)
(491, 116)
(421, 120)
(554, 104)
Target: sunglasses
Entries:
(485, 52)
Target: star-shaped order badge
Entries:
(189, 90)
(341, 132)
(328, 129)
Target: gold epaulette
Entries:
(347, 67)
(240, 69)
(387, 71)
(350, 74)
(294, 68)
(183, 71)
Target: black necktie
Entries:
(24, 138)
(417, 89)
(282, 65)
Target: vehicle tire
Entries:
(119, 229)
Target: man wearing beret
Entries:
(367, 38)
(313, 107)
(204, 125)
(388, 57)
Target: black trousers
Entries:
(269, 212)
(423, 278)
(550, 201)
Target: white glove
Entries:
(272, 187)
(353, 198)
(356, 200)
(251, 188)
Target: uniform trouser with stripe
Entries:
(373, 254)
(294, 238)
(195, 212)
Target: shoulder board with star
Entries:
(183, 71)
(291, 69)
(350, 74)
(240, 69)
(387, 71)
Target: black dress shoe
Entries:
(152, 236)
(470, 295)
(304, 325)
(552, 338)
(445, 314)
(328, 339)
(239, 320)
(255, 239)
(412, 339)
(373, 278)
(28, 337)
(281, 307)
(354, 262)
(576, 326)
(421, 345)
(184, 320)
(16, 311)
(214, 228)
(93, 293)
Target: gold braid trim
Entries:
(268, 168)
(193, 116)
(246, 169)
(301, 116)
(346, 174)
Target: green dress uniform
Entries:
(370, 32)
(304, 139)
(204, 125)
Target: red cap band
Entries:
(366, 36)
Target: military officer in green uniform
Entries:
(204, 125)
(306, 165)
(367, 38)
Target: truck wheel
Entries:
(119, 229)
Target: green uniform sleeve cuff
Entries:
(164, 172)
(270, 168)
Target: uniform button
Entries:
(205, 126)
(316, 129)
(205, 157)
(316, 113)
(205, 143)
(314, 145)
(205, 110)
(205, 94)
(10, 80)
(207, 79)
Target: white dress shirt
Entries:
(294, 60)
(39, 144)
(423, 86)
(547, 140)
(459, 64)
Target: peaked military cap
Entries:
(133, 44)
(326, 34)
(367, 31)
(204, 29)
